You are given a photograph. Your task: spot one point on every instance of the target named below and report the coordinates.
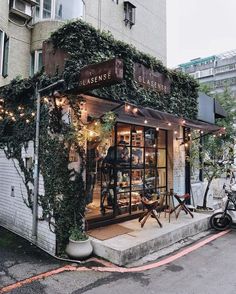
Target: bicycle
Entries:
(222, 220)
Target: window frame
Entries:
(4, 54)
(129, 13)
(35, 62)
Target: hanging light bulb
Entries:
(169, 124)
(135, 110)
(157, 129)
(183, 121)
(175, 132)
(145, 121)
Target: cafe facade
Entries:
(132, 118)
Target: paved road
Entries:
(207, 270)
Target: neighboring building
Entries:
(25, 24)
(217, 71)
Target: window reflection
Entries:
(126, 167)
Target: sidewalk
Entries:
(129, 247)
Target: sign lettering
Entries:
(101, 74)
(150, 79)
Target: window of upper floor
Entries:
(4, 49)
(58, 9)
(36, 62)
(129, 14)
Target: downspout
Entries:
(36, 167)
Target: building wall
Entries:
(19, 44)
(149, 32)
(179, 165)
(42, 31)
(14, 214)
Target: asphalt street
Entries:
(207, 270)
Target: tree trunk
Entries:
(204, 205)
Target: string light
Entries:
(33, 114)
(22, 114)
(135, 110)
(157, 129)
(169, 124)
(183, 121)
(145, 121)
(175, 132)
(27, 121)
(186, 144)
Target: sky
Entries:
(199, 28)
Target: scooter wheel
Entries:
(220, 222)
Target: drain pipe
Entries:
(36, 156)
(36, 167)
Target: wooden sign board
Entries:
(53, 59)
(101, 74)
(150, 79)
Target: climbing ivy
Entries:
(63, 202)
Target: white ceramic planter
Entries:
(79, 249)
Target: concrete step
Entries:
(129, 247)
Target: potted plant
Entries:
(79, 246)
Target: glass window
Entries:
(150, 137)
(161, 177)
(129, 11)
(36, 61)
(1, 49)
(58, 9)
(161, 158)
(5, 56)
(137, 136)
(47, 8)
(162, 139)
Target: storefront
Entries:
(133, 160)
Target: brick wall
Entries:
(14, 214)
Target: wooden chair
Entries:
(182, 205)
(153, 207)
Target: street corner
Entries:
(20, 259)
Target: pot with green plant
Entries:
(79, 246)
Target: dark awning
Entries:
(145, 115)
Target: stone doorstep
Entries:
(132, 246)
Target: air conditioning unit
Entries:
(22, 8)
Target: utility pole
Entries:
(36, 154)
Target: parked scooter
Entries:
(223, 218)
